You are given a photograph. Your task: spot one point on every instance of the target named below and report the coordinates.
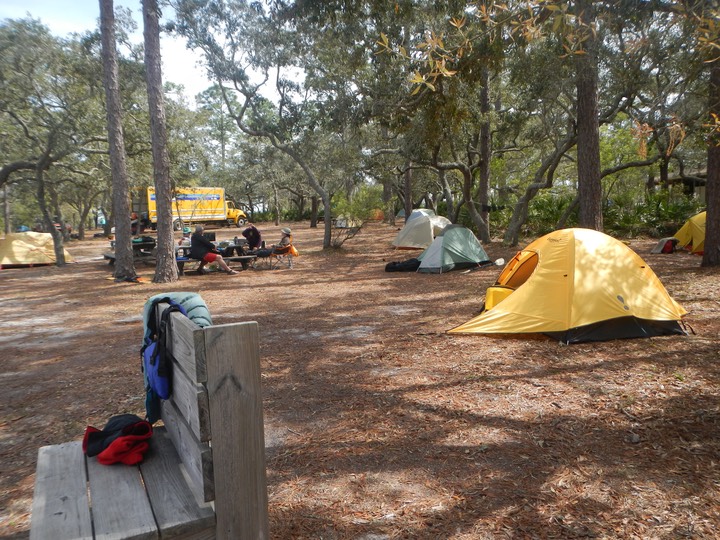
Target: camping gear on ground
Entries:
(419, 231)
(28, 249)
(455, 247)
(122, 440)
(692, 234)
(577, 285)
(665, 245)
(408, 265)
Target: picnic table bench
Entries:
(244, 260)
(211, 449)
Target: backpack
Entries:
(669, 246)
(409, 265)
(156, 360)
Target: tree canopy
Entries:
(509, 117)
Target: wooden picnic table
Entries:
(183, 255)
(143, 248)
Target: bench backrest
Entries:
(214, 418)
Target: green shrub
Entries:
(363, 205)
(659, 214)
(545, 211)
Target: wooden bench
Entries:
(244, 260)
(204, 474)
(181, 260)
(137, 258)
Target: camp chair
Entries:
(283, 256)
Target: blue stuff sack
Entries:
(156, 359)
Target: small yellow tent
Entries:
(692, 234)
(577, 285)
(28, 249)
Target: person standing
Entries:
(252, 235)
(205, 251)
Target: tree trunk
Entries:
(407, 188)
(124, 268)
(84, 207)
(468, 201)
(447, 195)
(49, 222)
(543, 179)
(388, 203)
(6, 207)
(314, 211)
(711, 255)
(485, 155)
(588, 130)
(664, 167)
(650, 185)
(276, 204)
(166, 268)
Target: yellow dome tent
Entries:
(577, 285)
(28, 249)
(692, 234)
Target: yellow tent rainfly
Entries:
(577, 285)
(692, 234)
(28, 249)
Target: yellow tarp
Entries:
(692, 234)
(573, 278)
(28, 248)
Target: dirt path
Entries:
(378, 424)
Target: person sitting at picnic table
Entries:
(205, 251)
(185, 240)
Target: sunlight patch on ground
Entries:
(347, 332)
(402, 310)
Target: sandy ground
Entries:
(379, 425)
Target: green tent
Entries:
(455, 247)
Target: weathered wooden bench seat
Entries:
(204, 474)
(244, 260)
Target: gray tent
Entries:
(456, 247)
(420, 229)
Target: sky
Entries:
(66, 16)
